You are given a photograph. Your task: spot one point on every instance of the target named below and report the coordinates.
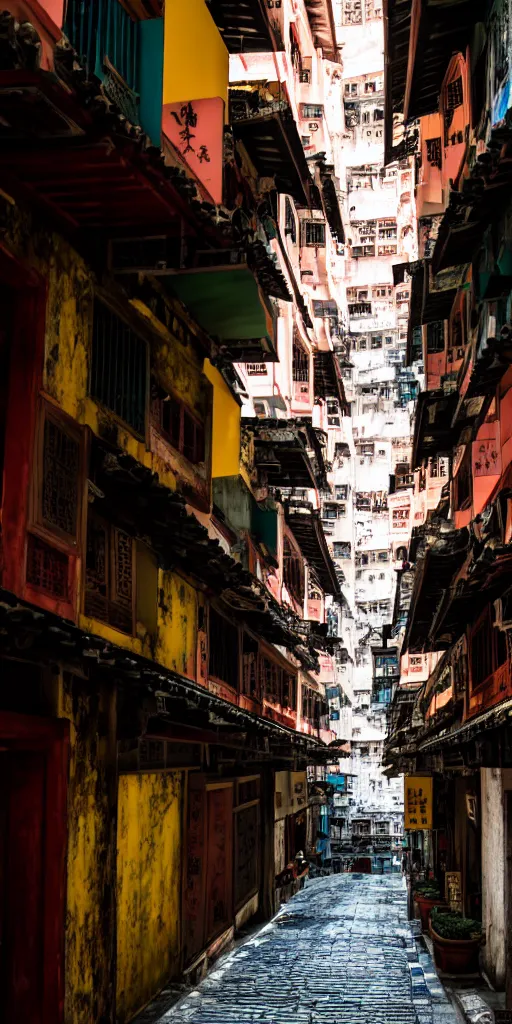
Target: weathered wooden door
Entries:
(23, 789)
(33, 781)
(208, 875)
(219, 868)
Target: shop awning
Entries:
(433, 431)
(328, 380)
(397, 26)
(245, 26)
(273, 144)
(77, 157)
(289, 452)
(321, 20)
(306, 526)
(228, 303)
(434, 575)
(437, 31)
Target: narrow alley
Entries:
(340, 952)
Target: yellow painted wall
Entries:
(226, 426)
(90, 875)
(196, 62)
(177, 624)
(149, 845)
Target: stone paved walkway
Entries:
(341, 952)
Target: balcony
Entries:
(358, 309)
(263, 120)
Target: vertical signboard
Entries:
(418, 802)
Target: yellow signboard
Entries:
(418, 802)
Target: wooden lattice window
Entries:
(60, 479)
(250, 681)
(119, 368)
(177, 424)
(434, 155)
(110, 575)
(47, 568)
(223, 661)
(293, 572)
(289, 690)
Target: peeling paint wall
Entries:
(149, 845)
(177, 624)
(90, 916)
(494, 782)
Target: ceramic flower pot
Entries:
(425, 906)
(456, 956)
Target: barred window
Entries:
(434, 151)
(300, 362)
(314, 232)
(119, 368)
(256, 369)
(312, 110)
(454, 94)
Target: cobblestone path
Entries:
(341, 952)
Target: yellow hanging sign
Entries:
(418, 803)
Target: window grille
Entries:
(314, 232)
(342, 549)
(119, 368)
(312, 110)
(454, 94)
(434, 152)
(300, 363)
(435, 336)
(61, 464)
(223, 649)
(352, 12)
(109, 575)
(325, 308)
(47, 568)
(256, 369)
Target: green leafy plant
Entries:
(453, 926)
(430, 890)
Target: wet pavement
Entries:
(341, 952)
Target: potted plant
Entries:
(456, 942)
(427, 895)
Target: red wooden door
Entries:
(219, 872)
(23, 879)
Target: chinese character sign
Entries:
(418, 802)
(196, 129)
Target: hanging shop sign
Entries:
(453, 890)
(418, 802)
